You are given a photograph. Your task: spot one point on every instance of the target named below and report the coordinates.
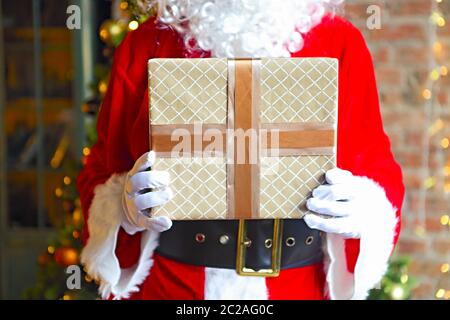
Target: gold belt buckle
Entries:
(243, 243)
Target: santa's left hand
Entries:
(350, 202)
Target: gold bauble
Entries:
(66, 256)
(112, 32)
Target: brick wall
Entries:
(404, 50)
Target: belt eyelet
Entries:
(309, 240)
(247, 242)
(200, 237)
(290, 242)
(268, 243)
(224, 239)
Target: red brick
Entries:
(411, 246)
(414, 202)
(414, 137)
(433, 224)
(428, 268)
(423, 291)
(355, 11)
(445, 81)
(380, 55)
(442, 97)
(409, 7)
(409, 159)
(442, 246)
(389, 97)
(387, 76)
(407, 31)
(413, 180)
(433, 163)
(391, 116)
(406, 55)
(437, 205)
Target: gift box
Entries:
(242, 138)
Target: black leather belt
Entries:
(213, 243)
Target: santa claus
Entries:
(131, 254)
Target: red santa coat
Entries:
(126, 266)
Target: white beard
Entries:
(245, 28)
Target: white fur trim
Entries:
(376, 244)
(226, 284)
(98, 256)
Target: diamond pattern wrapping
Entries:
(300, 91)
(287, 182)
(199, 188)
(188, 90)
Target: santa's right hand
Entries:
(144, 190)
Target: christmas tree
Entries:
(64, 245)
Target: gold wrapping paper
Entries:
(291, 102)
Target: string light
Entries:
(51, 249)
(437, 19)
(447, 295)
(447, 171)
(75, 234)
(67, 180)
(404, 278)
(76, 216)
(430, 182)
(420, 231)
(133, 25)
(103, 34)
(102, 87)
(124, 5)
(440, 293)
(437, 48)
(426, 93)
(447, 188)
(435, 127)
(435, 75)
(397, 293)
(58, 192)
(86, 151)
(60, 152)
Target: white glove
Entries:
(351, 202)
(138, 198)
